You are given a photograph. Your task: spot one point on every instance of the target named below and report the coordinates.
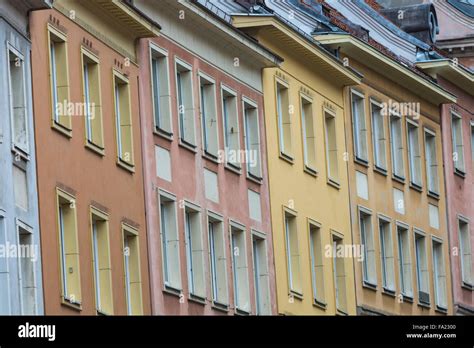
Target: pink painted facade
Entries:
(188, 184)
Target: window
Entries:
(261, 276)
(472, 142)
(133, 282)
(284, 120)
(331, 147)
(387, 256)
(458, 143)
(339, 275)
(293, 255)
(317, 267)
(27, 269)
(431, 160)
(252, 139)
(379, 138)
(218, 263)
(240, 268)
(69, 248)
(92, 100)
(422, 273)
(194, 251)
(414, 156)
(309, 138)
(465, 253)
(184, 85)
(367, 241)
(231, 126)
(359, 126)
(169, 242)
(5, 308)
(18, 101)
(161, 90)
(396, 144)
(123, 120)
(439, 275)
(101, 262)
(59, 80)
(210, 135)
(404, 262)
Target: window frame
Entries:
(28, 230)
(407, 294)
(237, 227)
(413, 163)
(366, 277)
(428, 133)
(387, 288)
(190, 144)
(283, 152)
(253, 104)
(438, 307)
(457, 170)
(464, 220)
(308, 167)
(355, 125)
(417, 235)
(318, 293)
(260, 237)
(336, 238)
(293, 290)
(237, 166)
(396, 175)
(203, 116)
(375, 152)
(130, 230)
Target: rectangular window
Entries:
(331, 147)
(210, 134)
(414, 156)
(387, 256)
(133, 281)
(231, 125)
(339, 275)
(431, 160)
(59, 79)
(123, 120)
(367, 241)
(309, 138)
(261, 276)
(252, 139)
(472, 142)
(101, 262)
(359, 126)
(240, 268)
(184, 86)
(293, 255)
(396, 145)
(69, 248)
(218, 263)
(194, 252)
(422, 273)
(16, 73)
(284, 120)
(379, 138)
(92, 100)
(404, 262)
(458, 143)
(317, 267)
(439, 275)
(161, 91)
(465, 253)
(27, 277)
(170, 243)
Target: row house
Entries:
(398, 204)
(20, 259)
(89, 164)
(205, 163)
(309, 192)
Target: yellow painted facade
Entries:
(306, 197)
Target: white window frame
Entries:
(204, 116)
(237, 227)
(286, 153)
(404, 290)
(182, 116)
(331, 179)
(29, 231)
(305, 100)
(388, 286)
(233, 93)
(357, 122)
(262, 288)
(467, 282)
(398, 169)
(291, 214)
(369, 280)
(156, 51)
(377, 156)
(414, 155)
(432, 183)
(252, 174)
(314, 227)
(422, 275)
(438, 302)
(458, 169)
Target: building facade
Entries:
(21, 291)
(205, 164)
(90, 187)
(309, 198)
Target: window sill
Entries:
(459, 173)
(333, 183)
(380, 170)
(424, 305)
(398, 179)
(319, 304)
(311, 171)
(286, 158)
(416, 187)
(197, 299)
(72, 305)
(296, 294)
(220, 306)
(254, 179)
(467, 286)
(102, 313)
(164, 134)
(361, 161)
(233, 168)
(433, 195)
(21, 153)
(172, 291)
(210, 157)
(406, 298)
(241, 312)
(94, 148)
(369, 285)
(128, 167)
(389, 292)
(62, 130)
(341, 312)
(441, 310)
(187, 146)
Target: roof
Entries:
(465, 6)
